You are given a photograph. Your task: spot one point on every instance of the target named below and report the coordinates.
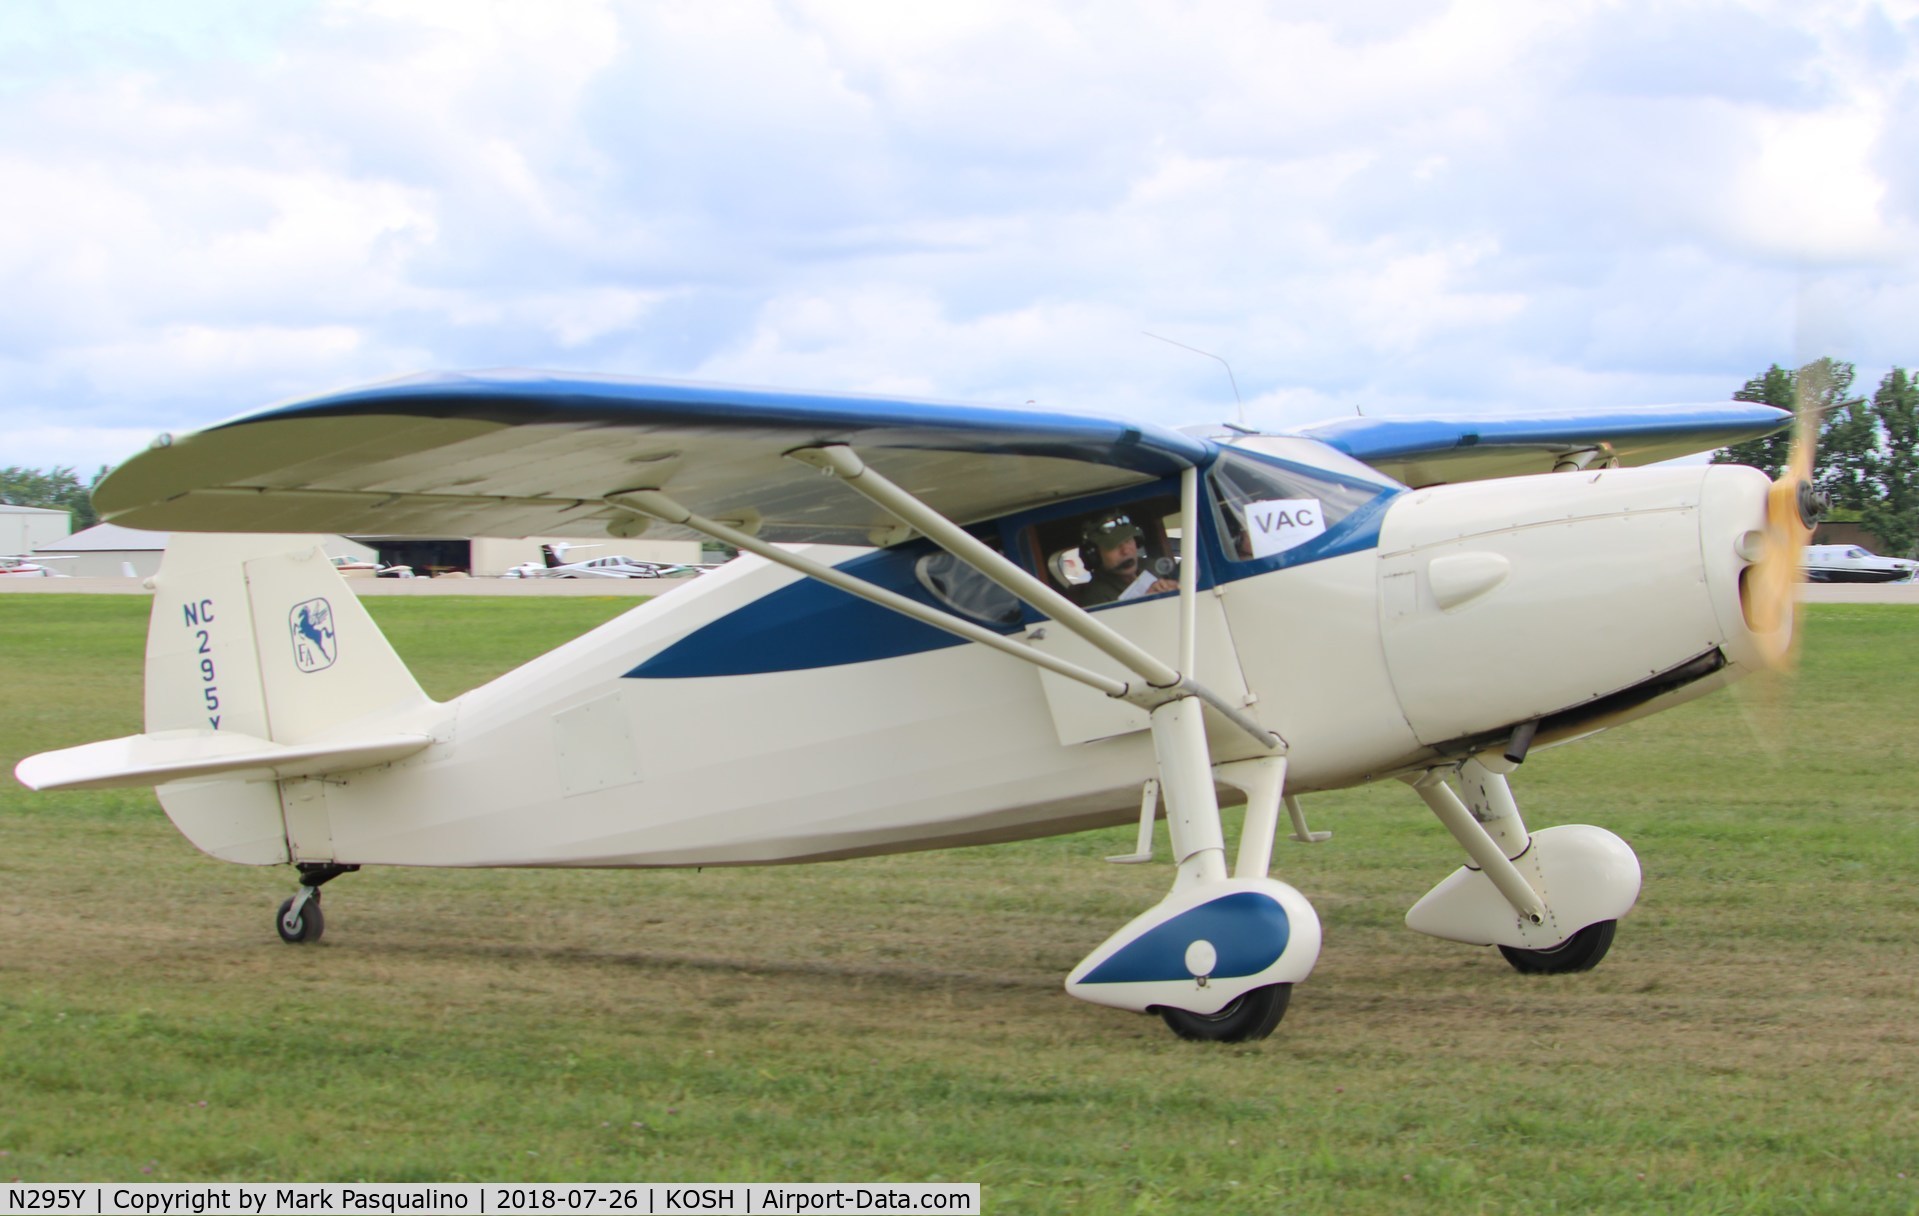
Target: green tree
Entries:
(1847, 431)
(1848, 435)
(57, 488)
(1868, 463)
(1892, 512)
(1768, 452)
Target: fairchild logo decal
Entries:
(314, 646)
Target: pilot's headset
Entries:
(1105, 532)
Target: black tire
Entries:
(1245, 1018)
(307, 929)
(1580, 952)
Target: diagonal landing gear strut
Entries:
(1550, 900)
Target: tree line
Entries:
(58, 488)
(1868, 462)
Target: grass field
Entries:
(1751, 1044)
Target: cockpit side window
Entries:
(1265, 509)
(1118, 553)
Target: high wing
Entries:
(515, 453)
(1427, 450)
(533, 454)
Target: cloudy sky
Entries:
(1406, 206)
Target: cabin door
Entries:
(1082, 714)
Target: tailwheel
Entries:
(306, 925)
(1245, 1018)
(1580, 952)
(300, 920)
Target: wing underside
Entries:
(1429, 450)
(516, 454)
(532, 454)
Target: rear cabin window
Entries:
(965, 590)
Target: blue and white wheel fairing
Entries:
(1203, 947)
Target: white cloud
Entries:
(1475, 204)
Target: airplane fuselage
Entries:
(755, 716)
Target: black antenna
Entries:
(1229, 372)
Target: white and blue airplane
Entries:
(956, 625)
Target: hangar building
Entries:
(106, 550)
(24, 529)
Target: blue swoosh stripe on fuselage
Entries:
(807, 624)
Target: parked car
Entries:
(1853, 564)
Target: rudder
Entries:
(259, 635)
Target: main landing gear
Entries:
(1550, 900)
(299, 919)
(1217, 958)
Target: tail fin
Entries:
(261, 667)
(555, 555)
(260, 635)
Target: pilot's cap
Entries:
(1111, 531)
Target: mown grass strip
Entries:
(1749, 1046)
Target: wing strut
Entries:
(1159, 683)
(838, 460)
(655, 505)
(1175, 703)
(1163, 683)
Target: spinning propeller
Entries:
(1769, 586)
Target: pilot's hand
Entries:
(1162, 585)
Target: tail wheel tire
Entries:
(1247, 1017)
(1580, 952)
(307, 928)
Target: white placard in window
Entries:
(1274, 525)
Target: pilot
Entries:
(1109, 547)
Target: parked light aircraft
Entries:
(956, 625)
(617, 566)
(552, 557)
(29, 565)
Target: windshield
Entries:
(1265, 508)
(1311, 453)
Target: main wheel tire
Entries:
(1246, 1017)
(308, 928)
(1580, 952)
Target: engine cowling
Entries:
(1520, 599)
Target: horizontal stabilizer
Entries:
(176, 755)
